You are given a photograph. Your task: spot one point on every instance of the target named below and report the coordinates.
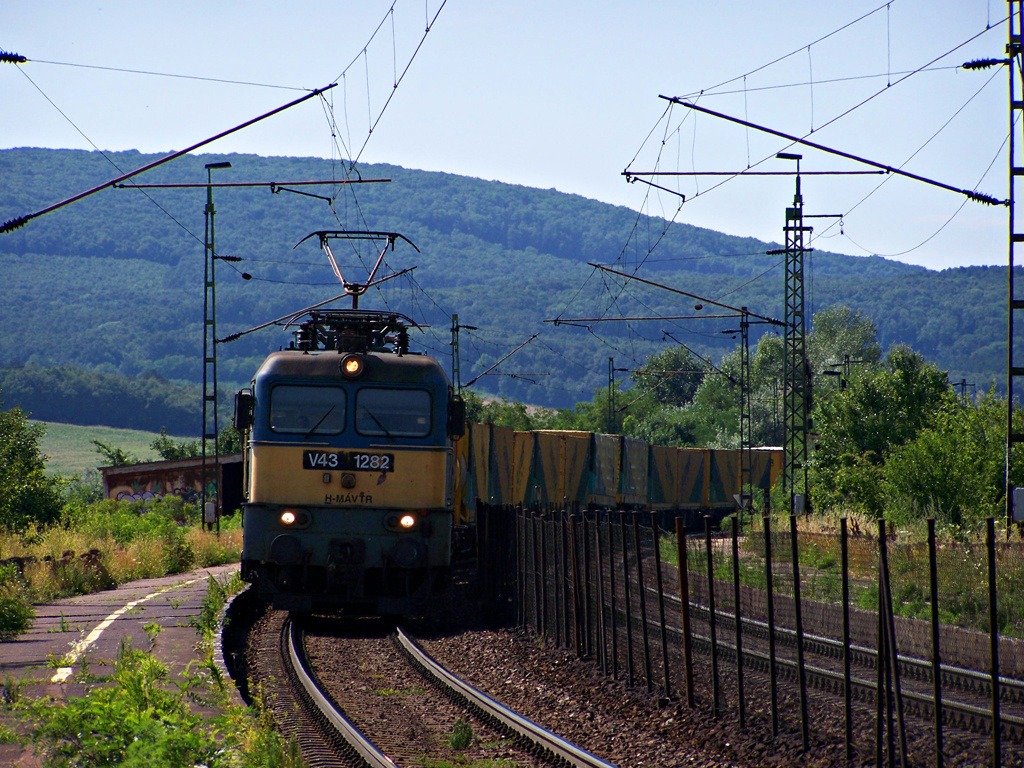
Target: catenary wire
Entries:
(169, 74)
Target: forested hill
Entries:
(114, 283)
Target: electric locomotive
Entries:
(348, 470)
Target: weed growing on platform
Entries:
(7, 736)
(136, 721)
(216, 598)
(152, 630)
(10, 692)
(145, 719)
(63, 626)
(97, 546)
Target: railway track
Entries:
(966, 693)
(360, 708)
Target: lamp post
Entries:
(211, 509)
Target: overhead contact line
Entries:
(979, 197)
(20, 221)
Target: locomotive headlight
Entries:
(404, 522)
(294, 518)
(352, 366)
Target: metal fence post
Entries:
(933, 579)
(711, 616)
(602, 645)
(741, 704)
(521, 555)
(588, 614)
(558, 571)
(881, 692)
(844, 544)
(684, 607)
(576, 601)
(565, 536)
(773, 682)
(801, 671)
(611, 590)
(538, 572)
(642, 589)
(993, 627)
(892, 665)
(543, 571)
(627, 608)
(656, 534)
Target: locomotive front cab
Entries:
(348, 481)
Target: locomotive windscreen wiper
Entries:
(376, 421)
(317, 425)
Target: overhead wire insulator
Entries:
(981, 197)
(11, 58)
(984, 63)
(13, 224)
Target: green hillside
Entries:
(69, 449)
(113, 284)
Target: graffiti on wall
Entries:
(185, 483)
(184, 479)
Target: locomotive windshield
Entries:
(300, 410)
(389, 412)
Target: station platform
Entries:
(86, 633)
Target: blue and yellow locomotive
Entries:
(362, 477)
(348, 471)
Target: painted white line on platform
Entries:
(79, 648)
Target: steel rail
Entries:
(967, 680)
(955, 713)
(555, 745)
(362, 746)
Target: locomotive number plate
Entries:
(349, 461)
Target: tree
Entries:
(171, 450)
(838, 333)
(502, 413)
(27, 493)
(671, 377)
(229, 441)
(667, 426)
(879, 411)
(954, 468)
(114, 456)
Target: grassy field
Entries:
(70, 450)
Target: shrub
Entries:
(16, 616)
(461, 736)
(178, 555)
(16, 612)
(27, 493)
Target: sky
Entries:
(559, 94)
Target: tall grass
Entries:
(102, 544)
